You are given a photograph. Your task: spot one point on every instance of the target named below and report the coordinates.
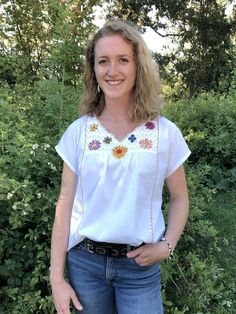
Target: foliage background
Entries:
(41, 66)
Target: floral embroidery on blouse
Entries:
(94, 145)
(107, 140)
(150, 125)
(119, 151)
(93, 127)
(132, 138)
(146, 143)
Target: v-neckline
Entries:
(113, 135)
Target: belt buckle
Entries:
(100, 250)
(107, 250)
(114, 252)
(90, 247)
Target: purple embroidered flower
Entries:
(107, 140)
(132, 138)
(94, 145)
(150, 125)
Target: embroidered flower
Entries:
(94, 145)
(132, 138)
(150, 125)
(145, 143)
(119, 151)
(107, 140)
(93, 127)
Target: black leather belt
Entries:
(108, 249)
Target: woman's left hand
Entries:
(149, 254)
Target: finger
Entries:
(140, 259)
(144, 261)
(134, 253)
(76, 302)
(64, 309)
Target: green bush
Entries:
(193, 281)
(31, 123)
(209, 125)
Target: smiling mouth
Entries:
(113, 83)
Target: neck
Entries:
(116, 110)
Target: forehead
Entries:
(113, 45)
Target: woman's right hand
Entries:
(63, 294)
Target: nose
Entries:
(112, 69)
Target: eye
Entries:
(124, 60)
(103, 61)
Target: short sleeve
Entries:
(178, 150)
(68, 146)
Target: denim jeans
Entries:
(106, 285)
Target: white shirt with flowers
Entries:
(119, 192)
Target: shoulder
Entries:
(74, 130)
(167, 124)
(164, 122)
(77, 124)
(170, 129)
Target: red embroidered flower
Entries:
(150, 125)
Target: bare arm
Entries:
(177, 217)
(179, 206)
(62, 291)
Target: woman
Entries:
(108, 224)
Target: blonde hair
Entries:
(146, 98)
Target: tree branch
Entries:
(167, 35)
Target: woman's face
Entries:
(115, 67)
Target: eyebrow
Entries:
(121, 56)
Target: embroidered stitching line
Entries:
(154, 184)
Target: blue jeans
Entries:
(107, 285)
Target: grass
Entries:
(222, 213)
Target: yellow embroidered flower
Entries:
(119, 151)
(93, 127)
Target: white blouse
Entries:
(119, 191)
